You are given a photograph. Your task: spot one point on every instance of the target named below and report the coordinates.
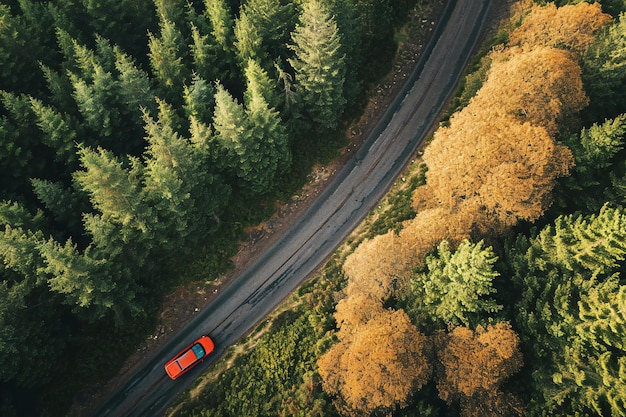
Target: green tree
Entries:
(220, 16)
(604, 73)
(271, 142)
(568, 287)
(168, 55)
(199, 101)
(64, 205)
(22, 153)
(30, 346)
(124, 22)
(204, 54)
(114, 191)
(248, 141)
(594, 152)
(455, 286)
(262, 31)
(58, 132)
(19, 50)
(319, 65)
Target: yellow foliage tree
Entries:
(476, 362)
(378, 367)
(571, 27)
(541, 86)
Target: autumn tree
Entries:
(319, 65)
(542, 86)
(571, 27)
(377, 368)
(477, 363)
(382, 267)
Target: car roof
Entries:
(189, 356)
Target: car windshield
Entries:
(198, 350)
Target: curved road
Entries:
(336, 212)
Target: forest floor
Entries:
(186, 301)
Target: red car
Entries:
(189, 357)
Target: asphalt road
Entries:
(337, 211)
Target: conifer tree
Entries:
(58, 132)
(199, 101)
(168, 55)
(567, 312)
(220, 20)
(604, 72)
(319, 65)
(89, 283)
(456, 284)
(204, 54)
(114, 190)
(262, 30)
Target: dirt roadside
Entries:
(186, 301)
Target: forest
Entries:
(137, 139)
(490, 282)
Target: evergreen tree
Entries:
(569, 287)
(232, 133)
(64, 204)
(19, 51)
(199, 101)
(168, 55)
(22, 153)
(272, 155)
(124, 22)
(114, 190)
(95, 287)
(135, 92)
(319, 65)
(604, 72)
(455, 286)
(204, 54)
(219, 17)
(31, 343)
(58, 132)
(262, 31)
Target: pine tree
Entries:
(19, 50)
(58, 132)
(168, 55)
(604, 72)
(89, 284)
(568, 311)
(204, 54)
(262, 30)
(114, 190)
(253, 142)
(220, 16)
(319, 65)
(271, 142)
(199, 101)
(456, 284)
